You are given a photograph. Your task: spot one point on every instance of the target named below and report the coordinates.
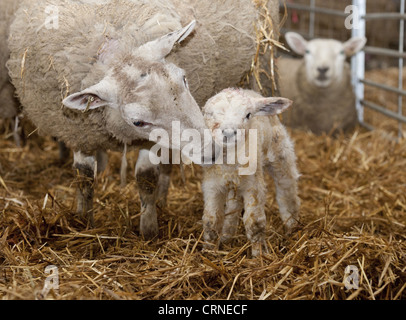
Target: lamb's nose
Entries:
(323, 70)
(229, 133)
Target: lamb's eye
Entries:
(307, 51)
(342, 52)
(249, 115)
(140, 123)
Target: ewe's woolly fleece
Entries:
(8, 104)
(61, 62)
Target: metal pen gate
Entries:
(356, 15)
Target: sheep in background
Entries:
(227, 190)
(119, 80)
(319, 84)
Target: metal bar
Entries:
(385, 16)
(383, 87)
(384, 111)
(302, 7)
(401, 48)
(369, 16)
(358, 60)
(385, 52)
(367, 126)
(312, 18)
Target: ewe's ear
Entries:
(108, 50)
(271, 106)
(354, 45)
(97, 96)
(158, 49)
(296, 42)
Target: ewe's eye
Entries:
(249, 115)
(342, 52)
(140, 123)
(185, 82)
(307, 51)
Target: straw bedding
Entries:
(353, 213)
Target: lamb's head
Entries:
(324, 58)
(141, 92)
(231, 111)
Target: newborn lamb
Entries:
(231, 186)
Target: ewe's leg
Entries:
(147, 176)
(102, 160)
(163, 184)
(213, 214)
(85, 168)
(64, 151)
(254, 216)
(234, 207)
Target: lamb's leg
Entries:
(163, 184)
(285, 175)
(254, 217)
(85, 168)
(234, 207)
(213, 214)
(147, 176)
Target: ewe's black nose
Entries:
(323, 70)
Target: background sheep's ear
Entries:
(354, 45)
(158, 49)
(271, 106)
(91, 98)
(296, 42)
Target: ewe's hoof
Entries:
(148, 229)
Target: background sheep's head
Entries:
(324, 58)
(230, 111)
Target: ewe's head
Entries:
(141, 91)
(232, 110)
(324, 58)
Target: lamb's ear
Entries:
(158, 49)
(354, 45)
(271, 106)
(96, 96)
(296, 42)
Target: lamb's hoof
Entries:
(290, 226)
(258, 249)
(85, 214)
(210, 246)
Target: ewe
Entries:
(226, 191)
(101, 75)
(319, 84)
(8, 102)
